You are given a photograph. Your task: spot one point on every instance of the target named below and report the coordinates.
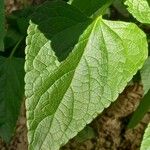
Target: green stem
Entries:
(2, 25)
(102, 10)
(25, 3)
(15, 48)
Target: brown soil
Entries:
(12, 5)
(110, 127)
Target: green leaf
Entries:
(140, 9)
(119, 5)
(11, 91)
(86, 134)
(146, 139)
(19, 19)
(2, 25)
(57, 21)
(142, 109)
(145, 75)
(62, 97)
(91, 7)
(144, 106)
(11, 38)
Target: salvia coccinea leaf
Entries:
(65, 94)
(146, 139)
(12, 92)
(145, 75)
(91, 7)
(140, 9)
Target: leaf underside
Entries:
(146, 139)
(140, 9)
(64, 96)
(145, 75)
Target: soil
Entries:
(110, 127)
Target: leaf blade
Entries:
(139, 113)
(145, 75)
(76, 90)
(145, 103)
(91, 8)
(140, 9)
(146, 139)
(11, 89)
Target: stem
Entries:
(15, 48)
(25, 3)
(101, 11)
(2, 25)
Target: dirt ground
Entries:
(110, 127)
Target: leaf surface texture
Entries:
(11, 90)
(145, 75)
(140, 9)
(146, 139)
(65, 94)
(91, 7)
